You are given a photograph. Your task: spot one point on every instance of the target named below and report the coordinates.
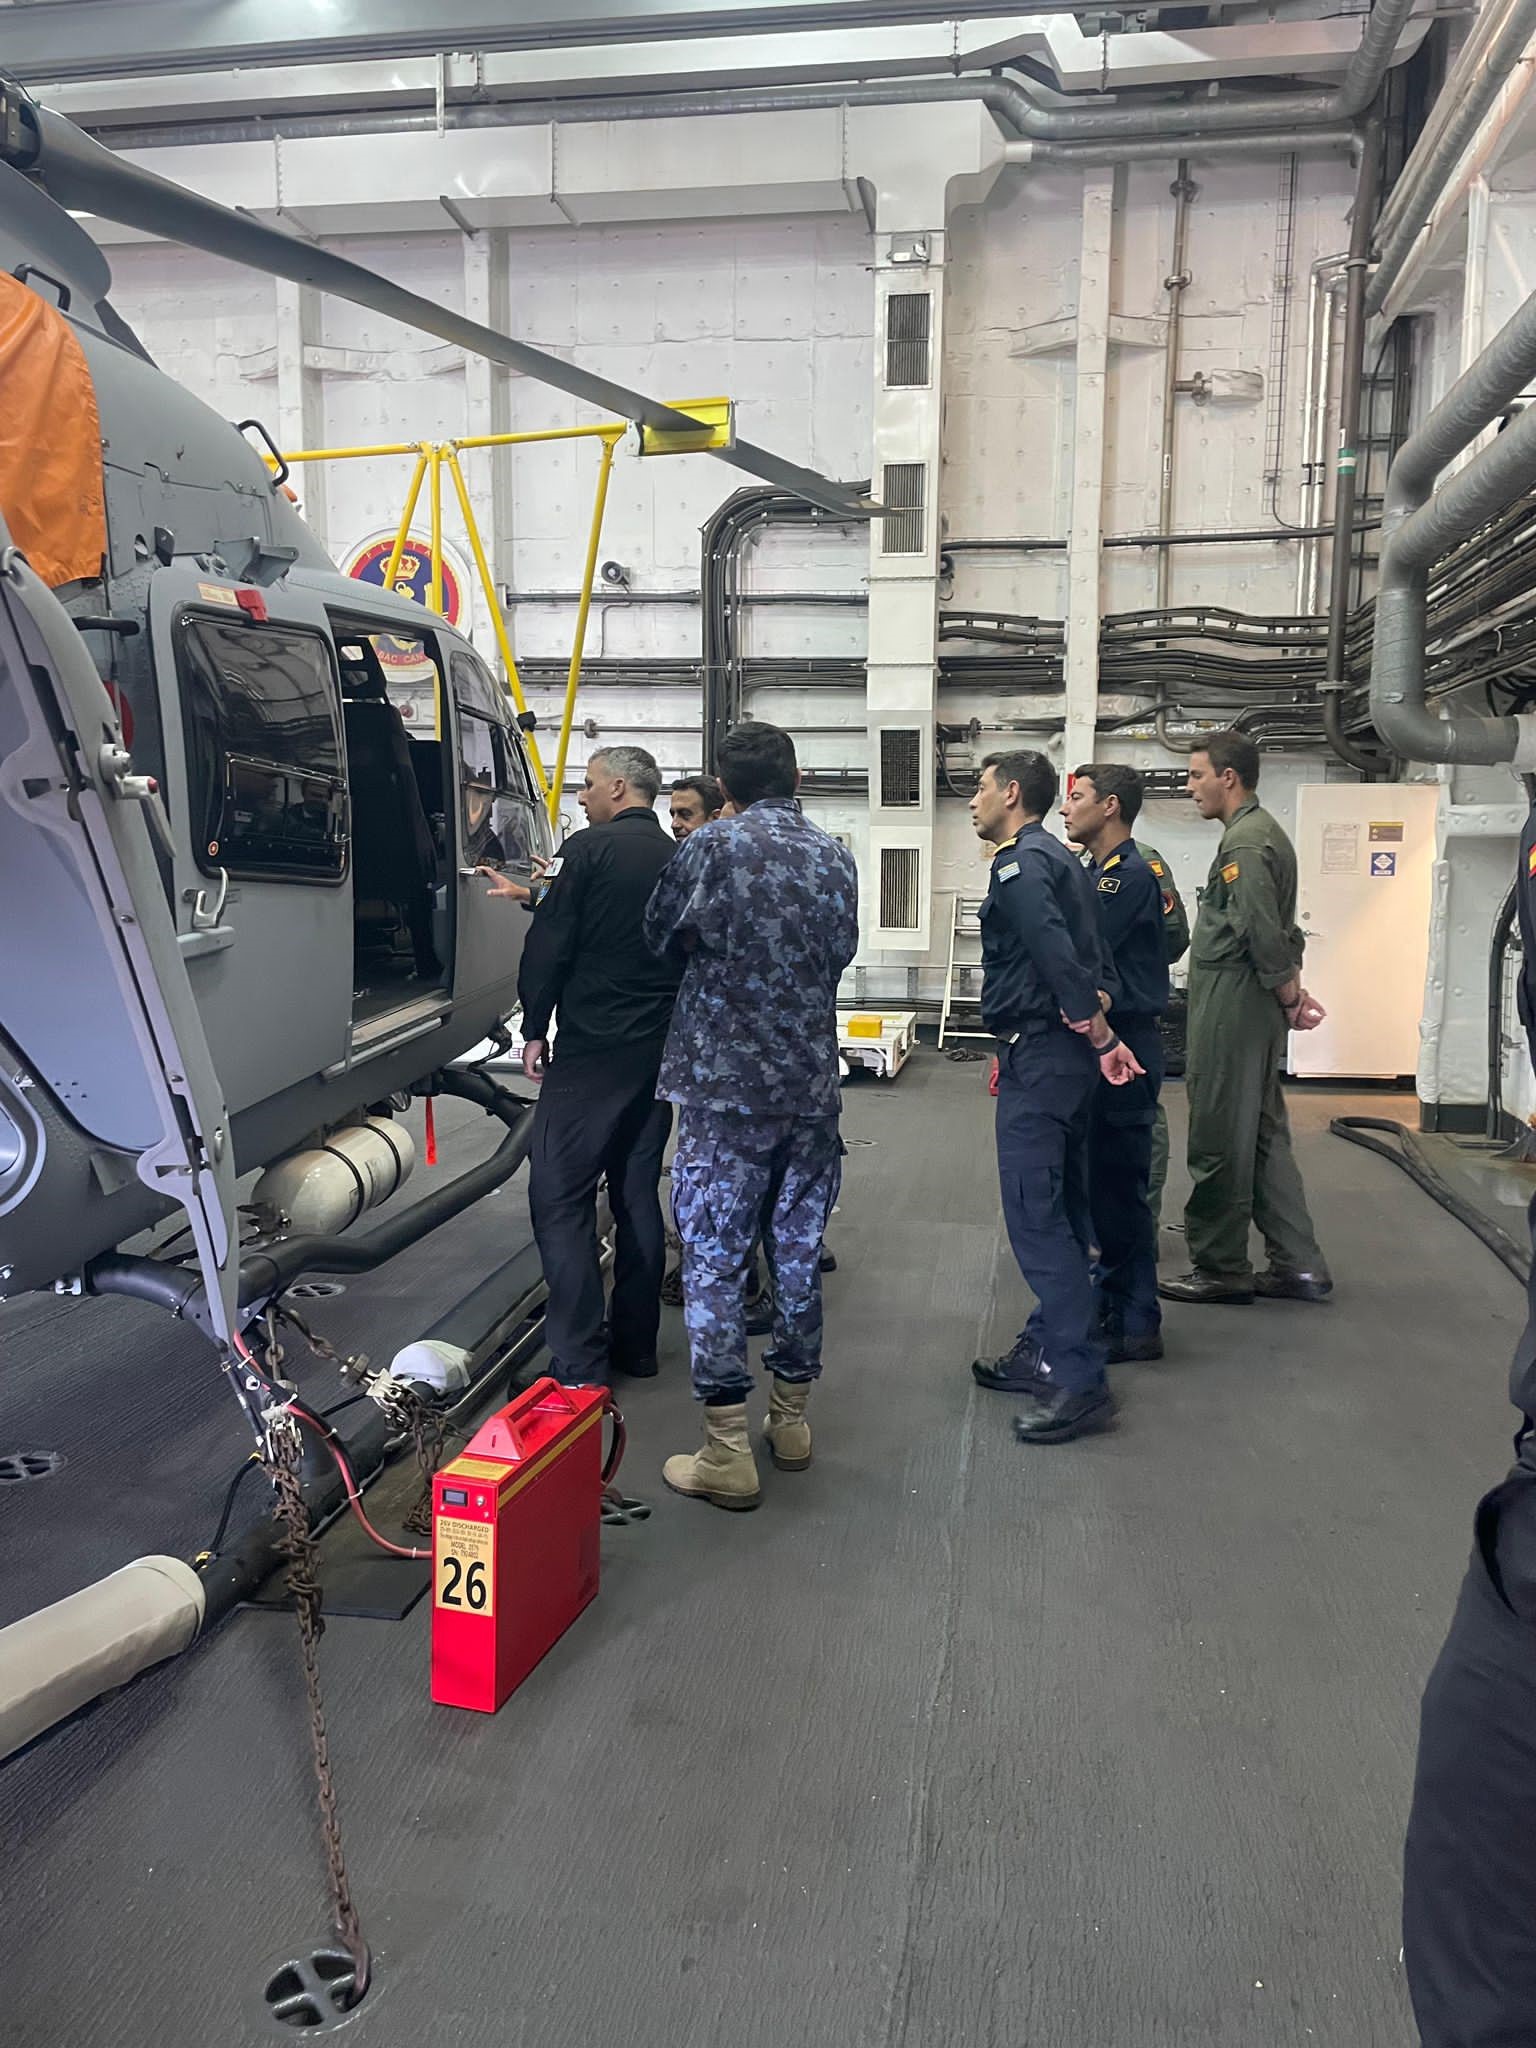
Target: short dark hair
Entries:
(757, 760)
(1032, 772)
(1117, 779)
(708, 790)
(636, 766)
(1234, 750)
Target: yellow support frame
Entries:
(716, 428)
(589, 573)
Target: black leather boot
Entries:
(1198, 1286)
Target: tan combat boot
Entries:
(724, 1472)
(787, 1431)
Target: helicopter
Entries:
(244, 921)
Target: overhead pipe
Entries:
(1139, 147)
(1420, 524)
(1496, 44)
(1247, 115)
(1356, 263)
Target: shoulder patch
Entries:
(1108, 884)
(1530, 862)
(1007, 871)
(1230, 872)
(1157, 867)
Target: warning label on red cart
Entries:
(464, 1566)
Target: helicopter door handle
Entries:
(116, 767)
(206, 917)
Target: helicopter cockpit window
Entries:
(265, 775)
(501, 813)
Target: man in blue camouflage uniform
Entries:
(761, 911)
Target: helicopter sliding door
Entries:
(257, 789)
(111, 1080)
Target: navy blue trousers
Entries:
(598, 1118)
(1119, 1185)
(734, 1178)
(1045, 1085)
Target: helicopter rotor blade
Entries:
(83, 174)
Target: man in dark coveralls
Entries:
(1099, 810)
(1245, 993)
(585, 957)
(1043, 978)
(1469, 1874)
(760, 910)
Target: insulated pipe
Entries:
(1147, 149)
(1246, 115)
(1495, 46)
(1362, 220)
(58, 1660)
(1417, 538)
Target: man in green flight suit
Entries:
(1245, 992)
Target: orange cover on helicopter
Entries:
(50, 440)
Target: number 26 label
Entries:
(463, 1573)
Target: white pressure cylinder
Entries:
(326, 1188)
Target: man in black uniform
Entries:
(598, 1116)
(1469, 1874)
(1043, 970)
(1099, 811)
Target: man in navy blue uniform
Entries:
(1099, 811)
(1469, 1873)
(761, 912)
(585, 957)
(1043, 980)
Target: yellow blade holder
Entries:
(716, 432)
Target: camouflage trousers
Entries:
(734, 1177)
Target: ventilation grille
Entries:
(901, 767)
(901, 492)
(900, 879)
(908, 326)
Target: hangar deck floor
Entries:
(1101, 1747)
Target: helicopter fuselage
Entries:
(319, 849)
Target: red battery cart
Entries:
(516, 1522)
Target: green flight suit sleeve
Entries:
(1175, 916)
(1253, 907)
